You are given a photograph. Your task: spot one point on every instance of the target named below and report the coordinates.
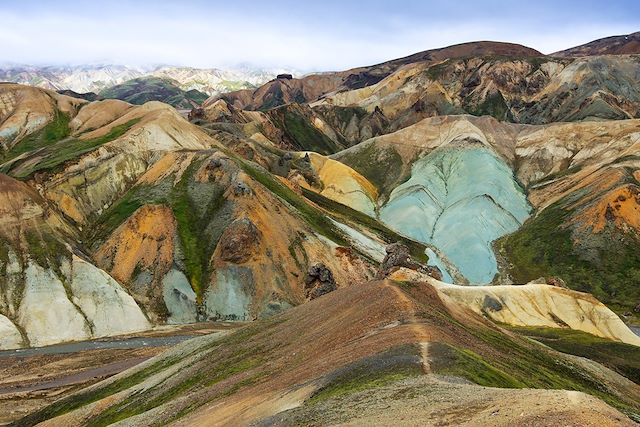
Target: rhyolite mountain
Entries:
(614, 45)
(144, 89)
(464, 212)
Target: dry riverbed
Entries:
(33, 378)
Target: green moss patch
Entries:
(383, 167)
(371, 372)
(54, 155)
(389, 236)
(493, 105)
(607, 267)
(465, 363)
(622, 358)
(54, 131)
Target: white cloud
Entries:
(188, 37)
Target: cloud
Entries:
(320, 36)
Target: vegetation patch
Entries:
(54, 131)
(53, 156)
(383, 167)
(312, 216)
(620, 357)
(540, 368)
(86, 397)
(493, 105)
(544, 246)
(144, 89)
(465, 363)
(376, 371)
(196, 260)
(389, 236)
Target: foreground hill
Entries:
(389, 348)
(145, 89)
(614, 45)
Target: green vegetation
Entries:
(145, 89)
(54, 131)
(493, 105)
(296, 247)
(607, 265)
(622, 358)
(537, 368)
(192, 218)
(301, 133)
(372, 372)
(389, 236)
(382, 166)
(44, 248)
(163, 393)
(56, 154)
(345, 114)
(467, 364)
(312, 216)
(86, 397)
(195, 253)
(436, 71)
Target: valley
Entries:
(448, 238)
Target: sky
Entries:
(320, 35)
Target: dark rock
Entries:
(238, 241)
(556, 281)
(432, 271)
(397, 256)
(196, 113)
(318, 281)
(286, 158)
(284, 76)
(241, 189)
(214, 164)
(491, 304)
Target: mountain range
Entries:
(451, 237)
(95, 78)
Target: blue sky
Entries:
(307, 35)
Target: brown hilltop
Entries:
(614, 45)
(310, 88)
(362, 338)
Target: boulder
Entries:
(239, 241)
(196, 113)
(397, 256)
(241, 189)
(319, 281)
(557, 282)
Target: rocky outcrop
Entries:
(397, 257)
(543, 306)
(318, 281)
(239, 241)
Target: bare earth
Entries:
(438, 401)
(30, 381)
